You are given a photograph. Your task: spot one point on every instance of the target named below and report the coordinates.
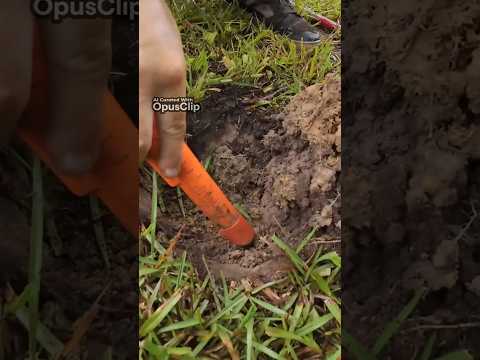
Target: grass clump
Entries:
(184, 317)
(225, 45)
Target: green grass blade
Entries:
(334, 310)
(201, 345)
(321, 283)
(250, 340)
(296, 260)
(458, 355)
(306, 240)
(156, 318)
(44, 336)
(427, 352)
(153, 214)
(282, 334)
(108, 354)
(314, 325)
(336, 355)
(36, 247)
(242, 299)
(333, 257)
(355, 348)
(248, 316)
(278, 333)
(262, 348)
(394, 325)
(180, 325)
(269, 307)
(19, 301)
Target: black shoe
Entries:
(281, 16)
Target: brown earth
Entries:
(281, 169)
(411, 170)
(74, 272)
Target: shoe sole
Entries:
(307, 44)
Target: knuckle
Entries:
(174, 128)
(176, 73)
(94, 59)
(171, 74)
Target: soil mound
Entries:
(281, 169)
(299, 179)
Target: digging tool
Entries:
(322, 20)
(195, 181)
(115, 176)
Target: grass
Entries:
(328, 8)
(185, 317)
(224, 45)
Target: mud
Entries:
(282, 169)
(410, 176)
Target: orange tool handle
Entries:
(115, 176)
(195, 181)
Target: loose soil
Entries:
(74, 272)
(411, 170)
(281, 169)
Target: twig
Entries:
(282, 229)
(335, 200)
(443, 327)
(323, 242)
(461, 234)
(99, 231)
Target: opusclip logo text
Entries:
(58, 10)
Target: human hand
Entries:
(162, 74)
(78, 53)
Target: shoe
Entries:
(281, 16)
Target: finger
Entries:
(172, 128)
(145, 131)
(16, 28)
(163, 74)
(79, 60)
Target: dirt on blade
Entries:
(281, 169)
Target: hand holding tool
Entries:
(115, 176)
(195, 181)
